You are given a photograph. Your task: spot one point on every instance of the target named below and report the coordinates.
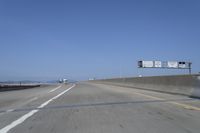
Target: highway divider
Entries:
(176, 84)
(17, 87)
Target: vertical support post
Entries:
(190, 68)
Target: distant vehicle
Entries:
(65, 81)
(91, 79)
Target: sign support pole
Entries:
(190, 69)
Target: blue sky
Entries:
(48, 39)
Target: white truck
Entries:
(65, 81)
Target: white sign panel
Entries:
(158, 64)
(147, 63)
(182, 64)
(172, 64)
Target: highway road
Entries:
(87, 107)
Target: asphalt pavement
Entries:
(96, 108)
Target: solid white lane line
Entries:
(18, 121)
(54, 89)
(26, 116)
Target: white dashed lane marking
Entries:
(26, 116)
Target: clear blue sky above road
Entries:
(46, 39)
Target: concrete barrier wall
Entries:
(179, 84)
(16, 87)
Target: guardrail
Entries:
(177, 84)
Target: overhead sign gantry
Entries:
(165, 64)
